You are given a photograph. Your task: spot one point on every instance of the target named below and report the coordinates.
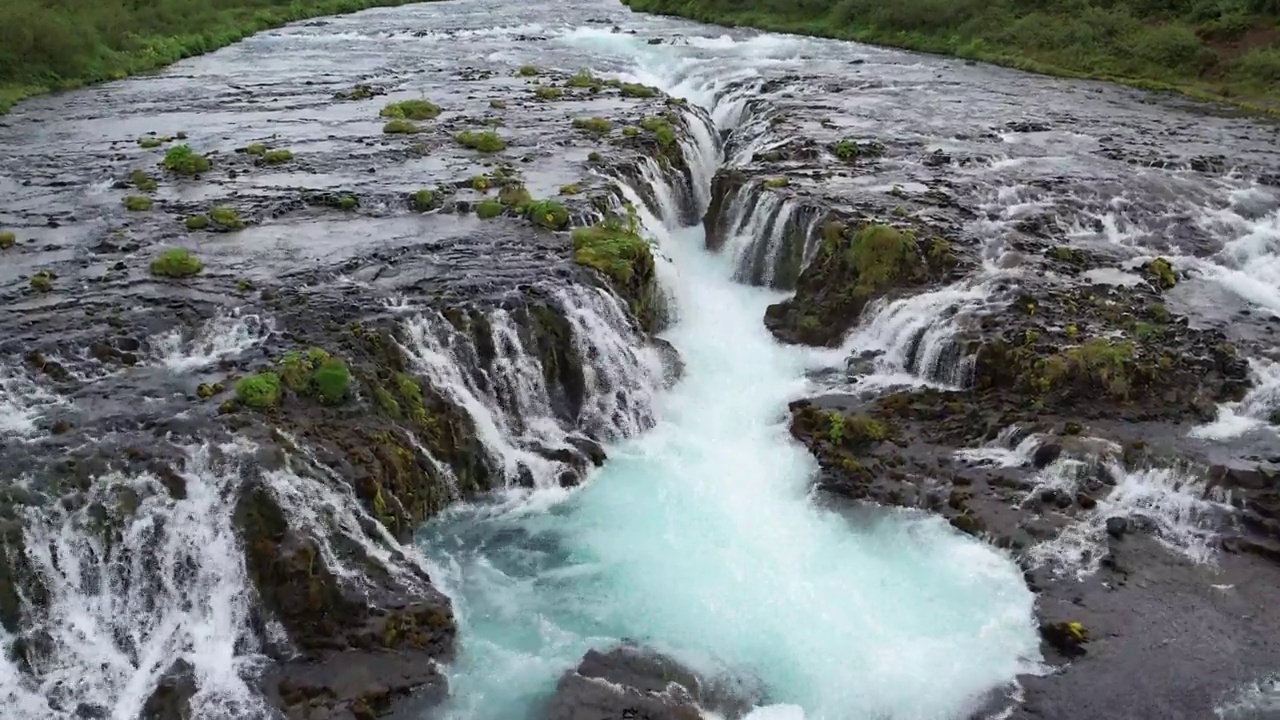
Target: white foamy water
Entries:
(22, 402)
(223, 337)
(170, 585)
(1170, 503)
(1253, 412)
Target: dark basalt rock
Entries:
(629, 682)
(171, 700)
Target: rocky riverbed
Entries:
(273, 311)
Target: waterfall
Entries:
(509, 400)
(130, 581)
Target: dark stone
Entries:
(1045, 455)
(171, 699)
(642, 684)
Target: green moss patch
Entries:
(142, 181)
(636, 90)
(489, 209)
(487, 141)
(549, 214)
(528, 71)
(315, 373)
(595, 125)
(277, 157)
(7, 240)
(137, 203)
(260, 392)
(400, 126)
(514, 195)
(613, 250)
(423, 199)
(851, 150)
(571, 189)
(182, 160)
(197, 222)
(548, 92)
(42, 281)
(226, 218)
(584, 79)
(1161, 273)
(176, 262)
(411, 110)
(256, 149)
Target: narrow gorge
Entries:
(468, 360)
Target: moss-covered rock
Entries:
(616, 249)
(550, 214)
(851, 269)
(197, 222)
(420, 109)
(486, 141)
(489, 209)
(176, 262)
(260, 391)
(548, 92)
(594, 125)
(137, 203)
(423, 200)
(42, 281)
(1161, 273)
(277, 157)
(182, 160)
(400, 126)
(226, 218)
(7, 240)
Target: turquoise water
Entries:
(700, 538)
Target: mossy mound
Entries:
(594, 125)
(400, 126)
(549, 214)
(137, 203)
(42, 281)
(548, 92)
(142, 181)
(182, 160)
(1161, 273)
(150, 143)
(420, 109)
(277, 157)
(197, 222)
(486, 141)
(423, 200)
(616, 250)
(489, 209)
(226, 218)
(851, 269)
(852, 150)
(315, 373)
(528, 71)
(7, 240)
(636, 90)
(176, 262)
(260, 392)
(256, 149)
(514, 195)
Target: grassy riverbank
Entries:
(1210, 49)
(60, 44)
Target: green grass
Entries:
(46, 45)
(550, 214)
(277, 157)
(613, 249)
(1188, 46)
(259, 391)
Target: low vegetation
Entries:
(549, 214)
(315, 373)
(7, 240)
(260, 392)
(487, 141)
(400, 126)
(182, 160)
(197, 222)
(176, 262)
(42, 281)
(420, 109)
(226, 218)
(594, 125)
(423, 199)
(142, 181)
(71, 43)
(1225, 49)
(489, 209)
(137, 203)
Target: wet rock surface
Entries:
(635, 682)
